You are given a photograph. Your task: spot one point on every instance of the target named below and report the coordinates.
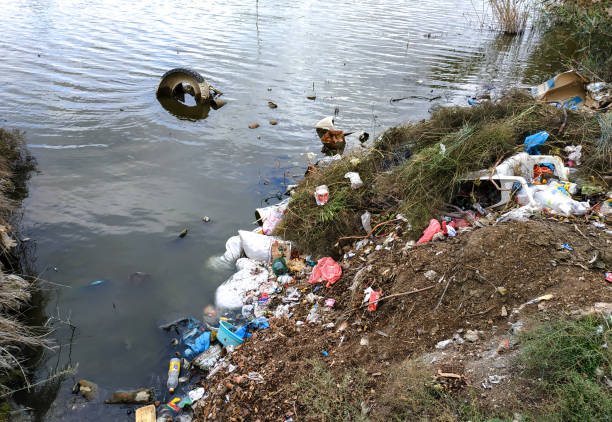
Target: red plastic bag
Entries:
(374, 296)
(326, 269)
(433, 228)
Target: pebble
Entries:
(471, 336)
(253, 125)
(273, 122)
(431, 275)
(443, 344)
(364, 341)
(504, 311)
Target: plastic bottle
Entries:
(173, 374)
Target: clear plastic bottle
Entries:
(173, 374)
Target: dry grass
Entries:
(511, 15)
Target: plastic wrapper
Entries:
(355, 179)
(321, 195)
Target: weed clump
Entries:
(417, 169)
(511, 15)
(328, 398)
(571, 358)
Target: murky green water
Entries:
(120, 177)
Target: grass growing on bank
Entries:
(572, 358)
(15, 292)
(473, 138)
(588, 24)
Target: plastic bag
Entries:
(231, 293)
(574, 154)
(533, 141)
(326, 269)
(198, 345)
(365, 221)
(233, 249)
(256, 246)
(549, 196)
(271, 222)
(355, 179)
(433, 228)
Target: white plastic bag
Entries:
(321, 195)
(256, 246)
(232, 293)
(233, 249)
(366, 221)
(271, 222)
(549, 196)
(355, 179)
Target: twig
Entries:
(583, 235)
(481, 313)
(371, 231)
(443, 293)
(562, 127)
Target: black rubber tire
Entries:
(190, 72)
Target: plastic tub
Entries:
(226, 335)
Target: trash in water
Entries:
(145, 414)
(325, 125)
(173, 374)
(333, 139)
(327, 270)
(209, 358)
(206, 219)
(96, 283)
(85, 388)
(321, 195)
(356, 182)
(143, 395)
(183, 233)
(533, 141)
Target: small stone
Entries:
(253, 125)
(272, 105)
(273, 122)
(471, 336)
(364, 341)
(431, 275)
(504, 311)
(443, 344)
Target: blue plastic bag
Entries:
(197, 345)
(533, 141)
(260, 323)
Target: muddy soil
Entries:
(483, 279)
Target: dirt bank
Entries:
(483, 277)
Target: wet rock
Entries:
(471, 336)
(273, 122)
(311, 97)
(272, 105)
(253, 125)
(87, 389)
(183, 233)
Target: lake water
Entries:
(120, 177)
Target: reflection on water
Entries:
(181, 110)
(121, 175)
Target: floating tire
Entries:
(174, 79)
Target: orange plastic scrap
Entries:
(326, 269)
(333, 138)
(433, 228)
